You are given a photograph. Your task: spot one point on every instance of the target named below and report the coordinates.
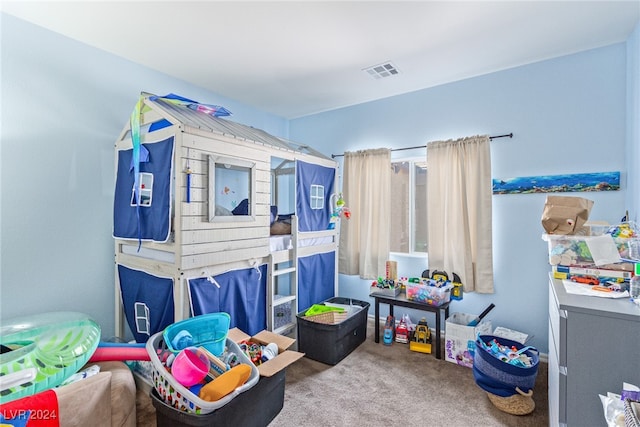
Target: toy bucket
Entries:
(207, 330)
(498, 376)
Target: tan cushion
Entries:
(86, 402)
(123, 394)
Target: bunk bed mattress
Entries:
(283, 242)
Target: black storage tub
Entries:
(330, 344)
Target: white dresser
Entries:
(594, 346)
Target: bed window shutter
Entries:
(147, 301)
(319, 279)
(241, 293)
(154, 223)
(314, 186)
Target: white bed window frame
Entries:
(145, 189)
(143, 322)
(236, 163)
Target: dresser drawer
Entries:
(557, 386)
(557, 329)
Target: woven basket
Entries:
(501, 378)
(328, 318)
(519, 404)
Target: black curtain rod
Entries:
(491, 138)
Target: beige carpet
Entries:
(378, 385)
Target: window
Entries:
(231, 189)
(142, 318)
(283, 175)
(409, 206)
(145, 188)
(317, 196)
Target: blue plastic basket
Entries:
(499, 377)
(207, 330)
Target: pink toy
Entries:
(119, 352)
(190, 367)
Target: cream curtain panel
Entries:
(459, 191)
(364, 239)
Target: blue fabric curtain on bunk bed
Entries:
(316, 273)
(314, 187)
(241, 293)
(154, 223)
(147, 301)
(316, 279)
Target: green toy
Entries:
(319, 309)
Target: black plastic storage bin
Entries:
(331, 343)
(256, 407)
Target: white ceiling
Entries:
(294, 58)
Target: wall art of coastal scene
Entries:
(598, 181)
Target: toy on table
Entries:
(421, 338)
(435, 288)
(386, 283)
(588, 280)
(429, 291)
(625, 230)
(440, 276)
(458, 290)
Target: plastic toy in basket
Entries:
(329, 318)
(207, 330)
(190, 366)
(182, 398)
(330, 315)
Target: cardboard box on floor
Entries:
(460, 339)
(284, 358)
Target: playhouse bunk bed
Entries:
(194, 215)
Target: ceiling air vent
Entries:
(382, 70)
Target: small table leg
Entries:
(438, 354)
(376, 321)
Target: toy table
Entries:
(401, 300)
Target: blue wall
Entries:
(568, 115)
(63, 106)
(633, 124)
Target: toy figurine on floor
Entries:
(402, 331)
(421, 339)
(389, 330)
